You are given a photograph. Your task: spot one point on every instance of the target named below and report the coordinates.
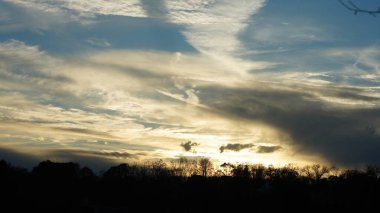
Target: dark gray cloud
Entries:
(236, 147)
(341, 135)
(18, 159)
(188, 146)
(268, 149)
(96, 160)
(91, 159)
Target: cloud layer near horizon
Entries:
(123, 104)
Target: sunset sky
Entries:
(250, 81)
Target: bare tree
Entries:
(159, 168)
(219, 173)
(176, 168)
(227, 168)
(258, 171)
(315, 171)
(242, 170)
(335, 171)
(372, 171)
(319, 171)
(356, 9)
(184, 167)
(205, 166)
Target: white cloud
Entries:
(190, 98)
(98, 42)
(366, 59)
(17, 51)
(86, 8)
(107, 99)
(131, 8)
(274, 33)
(213, 25)
(153, 101)
(210, 26)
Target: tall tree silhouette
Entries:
(205, 166)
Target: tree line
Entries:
(186, 185)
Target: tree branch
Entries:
(349, 5)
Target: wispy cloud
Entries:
(154, 100)
(190, 96)
(210, 26)
(96, 104)
(275, 32)
(88, 8)
(97, 42)
(359, 60)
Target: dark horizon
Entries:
(159, 187)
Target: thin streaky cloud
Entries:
(211, 27)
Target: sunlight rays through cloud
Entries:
(249, 81)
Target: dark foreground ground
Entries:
(65, 187)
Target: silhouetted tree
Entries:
(242, 171)
(87, 173)
(258, 172)
(61, 171)
(159, 168)
(315, 172)
(205, 166)
(66, 187)
(121, 171)
(227, 168)
(373, 172)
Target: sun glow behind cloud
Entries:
(108, 99)
(104, 100)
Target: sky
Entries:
(249, 81)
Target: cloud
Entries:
(84, 131)
(203, 21)
(35, 17)
(77, 100)
(97, 42)
(154, 99)
(89, 8)
(276, 32)
(359, 60)
(18, 159)
(190, 97)
(188, 146)
(268, 149)
(16, 52)
(30, 160)
(235, 147)
(336, 133)
(155, 9)
(110, 154)
(25, 66)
